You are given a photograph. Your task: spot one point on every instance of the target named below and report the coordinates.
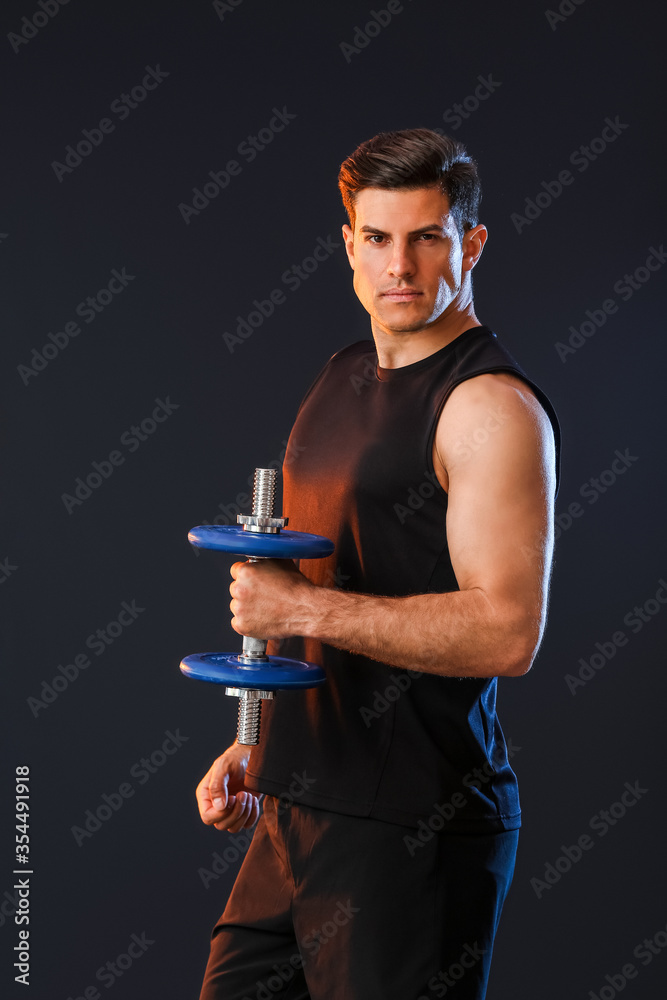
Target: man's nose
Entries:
(402, 263)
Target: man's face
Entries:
(408, 258)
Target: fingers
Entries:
(212, 795)
(235, 592)
(218, 780)
(209, 812)
(219, 812)
(244, 813)
(235, 568)
(254, 812)
(221, 798)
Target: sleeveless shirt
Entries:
(375, 740)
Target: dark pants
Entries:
(334, 907)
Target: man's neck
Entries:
(396, 350)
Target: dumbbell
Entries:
(252, 676)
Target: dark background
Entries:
(67, 574)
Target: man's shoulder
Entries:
(360, 347)
(490, 412)
(335, 369)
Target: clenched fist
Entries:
(223, 800)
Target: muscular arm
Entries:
(496, 450)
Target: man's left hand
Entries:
(270, 598)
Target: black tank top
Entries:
(376, 740)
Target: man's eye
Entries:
(374, 236)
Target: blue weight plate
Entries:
(278, 674)
(284, 545)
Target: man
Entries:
(391, 814)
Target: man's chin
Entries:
(391, 326)
(402, 319)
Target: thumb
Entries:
(218, 789)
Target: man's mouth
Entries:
(401, 294)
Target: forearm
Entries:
(457, 634)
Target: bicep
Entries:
(497, 445)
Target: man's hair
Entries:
(410, 159)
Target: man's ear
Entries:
(348, 236)
(472, 246)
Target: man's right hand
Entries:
(223, 800)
